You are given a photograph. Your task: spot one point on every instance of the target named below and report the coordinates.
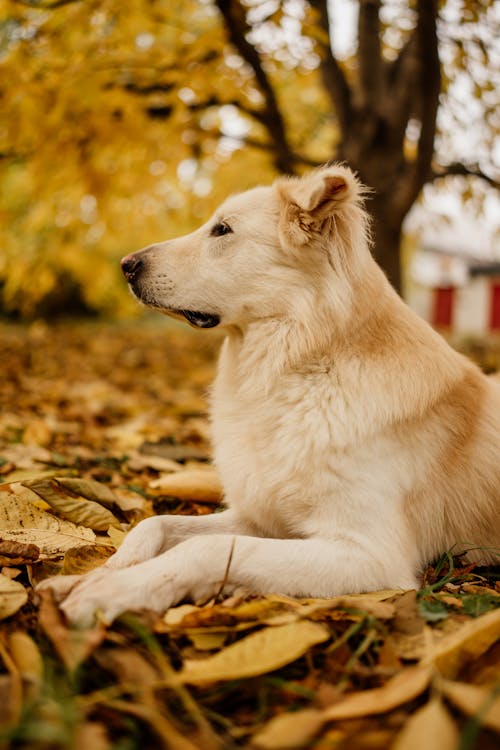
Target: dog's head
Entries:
(263, 253)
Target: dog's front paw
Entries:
(61, 586)
(117, 592)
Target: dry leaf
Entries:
(13, 596)
(15, 553)
(431, 727)
(258, 653)
(400, 689)
(175, 615)
(90, 734)
(207, 641)
(26, 656)
(80, 560)
(90, 489)
(290, 730)
(72, 507)
(21, 521)
(473, 700)
(72, 645)
(471, 640)
(116, 536)
(200, 485)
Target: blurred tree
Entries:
(126, 125)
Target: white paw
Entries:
(117, 592)
(61, 586)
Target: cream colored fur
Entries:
(353, 443)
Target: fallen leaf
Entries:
(37, 433)
(72, 645)
(261, 652)
(13, 596)
(473, 700)
(196, 484)
(175, 615)
(90, 489)
(26, 656)
(403, 687)
(71, 506)
(471, 640)
(79, 560)
(289, 730)
(15, 553)
(116, 536)
(431, 726)
(207, 641)
(139, 461)
(21, 521)
(90, 734)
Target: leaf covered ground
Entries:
(102, 426)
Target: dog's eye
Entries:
(220, 228)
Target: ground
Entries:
(105, 424)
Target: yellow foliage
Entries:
(109, 145)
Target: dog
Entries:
(353, 443)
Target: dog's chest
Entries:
(281, 453)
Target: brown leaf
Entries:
(201, 485)
(16, 553)
(21, 521)
(471, 640)
(400, 689)
(26, 656)
(90, 734)
(289, 730)
(13, 596)
(82, 559)
(264, 651)
(73, 507)
(72, 645)
(473, 700)
(431, 726)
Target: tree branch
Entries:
(234, 17)
(427, 84)
(333, 78)
(457, 168)
(369, 55)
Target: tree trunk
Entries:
(387, 240)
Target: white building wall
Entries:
(471, 310)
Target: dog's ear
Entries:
(306, 202)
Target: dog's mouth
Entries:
(199, 319)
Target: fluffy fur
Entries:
(354, 445)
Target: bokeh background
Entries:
(126, 123)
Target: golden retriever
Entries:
(354, 445)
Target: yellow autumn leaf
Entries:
(471, 640)
(258, 653)
(21, 521)
(403, 687)
(193, 484)
(289, 730)
(431, 726)
(72, 507)
(13, 596)
(26, 656)
(474, 700)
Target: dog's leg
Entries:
(202, 566)
(148, 539)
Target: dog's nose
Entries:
(131, 265)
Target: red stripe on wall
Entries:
(442, 313)
(495, 305)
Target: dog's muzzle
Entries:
(132, 267)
